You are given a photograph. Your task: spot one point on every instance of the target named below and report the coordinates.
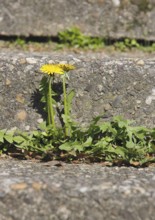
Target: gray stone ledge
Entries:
(106, 18)
(40, 191)
(103, 85)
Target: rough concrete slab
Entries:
(47, 191)
(106, 86)
(54, 190)
(106, 18)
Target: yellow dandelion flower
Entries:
(66, 67)
(51, 69)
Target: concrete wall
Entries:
(106, 18)
(103, 86)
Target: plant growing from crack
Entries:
(46, 88)
(67, 98)
(116, 141)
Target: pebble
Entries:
(21, 115)
(140, 62)
(116, 3)
(7, 82)
(40, 120)
(27, 128)
(31, 60)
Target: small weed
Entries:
(19, 42)
(129, 44)
(117, 141)
(73, 37)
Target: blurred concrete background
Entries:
(107, 18)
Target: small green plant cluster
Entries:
(129, 44)
(73, 37)
(149, 48)
(116, 141)
(20, 42)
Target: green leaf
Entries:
(95, 120)
(130, 144)
(102, 143)
(2, 133)
(71, 146)
(34, 133)
(88, 142)
(111, 149)
(94, 128)
(66, 119)
(43, 126)
(9, 136)
(19, 139)
(120, 151)
(78, 146)
(107, 127)
(66, 146)
(121, 121)
(104, 126)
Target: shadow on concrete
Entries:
(39, 106)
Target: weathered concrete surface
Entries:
(106, 18)
(38, 191)
(106, 86)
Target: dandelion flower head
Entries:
(51, 69)
(66, 67)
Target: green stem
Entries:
(65, 106)
(48, 112)
(50, 105)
